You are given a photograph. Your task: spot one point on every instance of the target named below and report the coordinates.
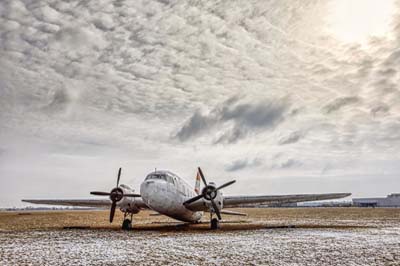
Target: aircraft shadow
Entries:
(231, 226)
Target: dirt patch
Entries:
(256, 219)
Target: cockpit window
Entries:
(157, 176)
(170, 179)
(165, 177)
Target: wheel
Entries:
(127, 224)
(214, 224)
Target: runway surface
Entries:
(371, 239)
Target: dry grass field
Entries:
(257, 218)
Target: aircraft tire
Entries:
(127, 224)
(214, 224)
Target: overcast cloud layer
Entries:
(268, 92)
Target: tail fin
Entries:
(197, 184)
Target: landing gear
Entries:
(127, 223)
(214, 224)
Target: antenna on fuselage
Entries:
(155, 170)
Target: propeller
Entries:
(209, 192)
(115, 195)
(119, 176)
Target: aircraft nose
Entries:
(146, 190)
(155, 194)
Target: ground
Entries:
(293, 236)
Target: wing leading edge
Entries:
(96, 203)
(251, 201)
(71, 202)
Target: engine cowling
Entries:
(211, 192)
(127, 204)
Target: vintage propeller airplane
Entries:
(170, 195)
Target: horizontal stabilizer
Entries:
(233, 213)
(155, 214)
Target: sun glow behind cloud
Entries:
(357, 21)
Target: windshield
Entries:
(165, 177)
(157, 176)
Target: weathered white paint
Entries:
(167, 196)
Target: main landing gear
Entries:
(214, 222)
(127, 223)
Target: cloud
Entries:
(104, 23)
(231, 135)
(126, 81)
(196, 125)
(338, 103)
(287, 164)
(380, 109)
(79, 38)
(291, 138)
(393, 59)
(58, 101)
(236, 118)
(242, 164)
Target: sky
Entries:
(285, 96)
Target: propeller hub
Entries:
(209, 192)
(116, 194)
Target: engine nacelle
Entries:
(127, 204)
(216, 195)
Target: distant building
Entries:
(331, 204)
(270, 205)
(392, 200)
(279, 205)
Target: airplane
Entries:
(168, 194)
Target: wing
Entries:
(96, 203)
(71, 202)
(251, 201)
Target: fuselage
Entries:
(165, 192)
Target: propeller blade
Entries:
(226, 184)
(100, 193)
(132, 195)
(193, 199)
(202, 176)
(112, 211)
(119, 176)
(215, 207)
